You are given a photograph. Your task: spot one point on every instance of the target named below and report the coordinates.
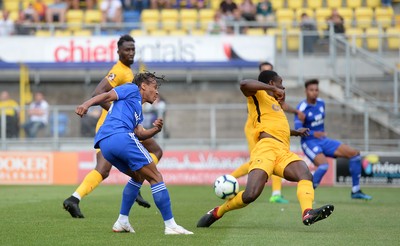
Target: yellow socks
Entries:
(234, 203)
(305, 194)
(242, 170)
(155, 159)
(91, 181)
(276, 184)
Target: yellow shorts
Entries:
(271, 156)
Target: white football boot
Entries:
(177, 230)
(119, 227)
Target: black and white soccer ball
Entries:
(226, 187)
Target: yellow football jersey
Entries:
(9, 107)
(266, 115)
(118, 75)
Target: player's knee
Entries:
(104, 172)
(250, 196)
(159, 153)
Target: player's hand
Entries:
(302, 132)
(81, 110)
(300, 115)
(319, 134)
(158, 123)
(279, 95)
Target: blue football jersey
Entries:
(124, 114)
(315, 115)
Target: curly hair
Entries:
(125, 38)
(146, 76)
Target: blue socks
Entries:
(355, 171)
(319, 173)
(162, 200)
(129, 195)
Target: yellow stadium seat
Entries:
(188, 19)
(178, 33)
(14, 15)
(74, 18)
(159, 33)
(363, 17)
(277, 33)
(354, 35)
(384, 16)
(137, 32)
(284, 17)
(150, 19)
(373, 39)
(295, 4)
(255, 32)
(206, 16)
(293, 39)
(43, 33)
(169, 19)
(334, 3)
(62, 33)
(11, 5)
(214, 4)
(393, 38)
(322, 13)
(299, 12)
(353, 3)
(93, 16)
(197, 32)
(347, 14)
(277, 4)
(314, 4)
(82, 33)
(373, 3)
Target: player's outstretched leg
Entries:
(355, 171)
(71, 204)
(311, 216)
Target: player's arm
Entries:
(97, 100)
(287, 108)
(102, 87)
(249, 87)
(143, 134)
(301, 132)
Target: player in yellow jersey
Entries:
(276, 186)
(119, 74)
(271, 154)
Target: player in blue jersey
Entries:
(119, 140)
(318, 146)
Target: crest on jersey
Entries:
(111, 76)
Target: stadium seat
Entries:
(82, 33)
(334, 3)
(206, 16)
(169, 19)
(393, 38)
(197, 32)
(137, 33)
(373, 38)
(158, 33)
(347, 14)
(14, 15)
(277, 4)
(373, 3)
(353, 3)
(131, 16)
(214, 4)
(355, 35)
(300, 11)
(43, 33)
(314, 4)
(11, 5)
(62, 33)
(293, 39)
(295, 4)
(92, 16)
(321, 16)
(277, 33)
(178, 33)
(363, 17)
(74, 19)
(150, 19)
(384, 16)
(255, 31)
(188, 19)
(284, 17)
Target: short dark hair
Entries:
(146, 76)
(267, 76)
(311, 82)
(265, 64)
(125, 38)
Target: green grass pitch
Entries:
(33, 215)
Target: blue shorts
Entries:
(313, 147)
(125, 152)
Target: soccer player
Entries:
(119, 74)
(271, 154)
(276, 186)
(318, 146)
(119, 140)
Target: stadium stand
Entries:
(150, 19)
(372, 38)
(355, 35)
(353, 3)
(277, 4)
(384, 16)
(393, 39)
(169, 19)
(188, 19)
(363, 17)
(333, 3)
(314, 4)
(295, 4)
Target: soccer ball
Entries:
(226, 187)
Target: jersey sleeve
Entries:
(125, 91)
(116, 76)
